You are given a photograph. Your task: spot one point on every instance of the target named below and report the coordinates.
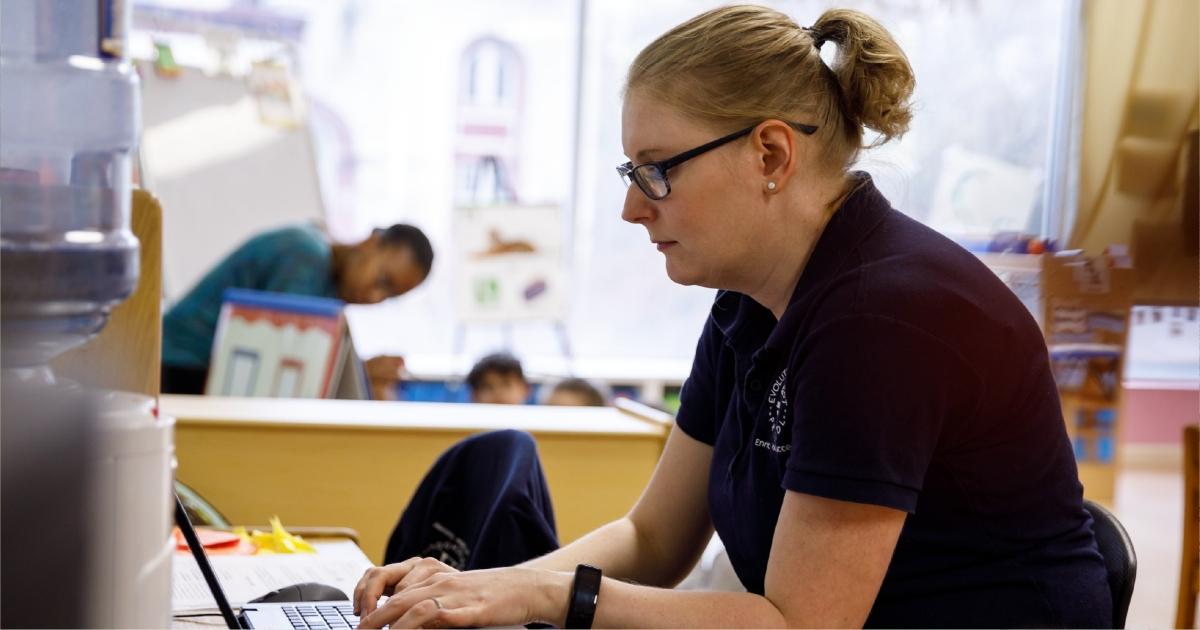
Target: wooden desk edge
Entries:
(191, 413)
(259, 423)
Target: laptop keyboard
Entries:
(321, 617)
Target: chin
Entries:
(692, 277)
(682, 276)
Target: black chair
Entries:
(199, 510)
(1119, 558)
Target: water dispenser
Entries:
(87, 475)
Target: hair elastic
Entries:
(818, 40)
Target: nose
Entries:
(638, 207)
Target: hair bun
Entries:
(872, 71)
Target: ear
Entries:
(775, 143)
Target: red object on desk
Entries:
(216, 542)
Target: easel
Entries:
(506, 335)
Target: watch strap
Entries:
(585, 595)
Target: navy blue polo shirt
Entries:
(904, 374)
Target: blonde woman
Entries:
(870, 423)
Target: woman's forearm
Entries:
(622, 552)
(622, 605)
(663, 535)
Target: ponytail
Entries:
(872, 73)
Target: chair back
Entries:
(127, 354)
(1120, 561)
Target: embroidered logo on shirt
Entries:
(449, 548)
(777, 414)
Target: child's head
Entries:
(498, 379)
(575, 392)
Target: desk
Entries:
(339, 563)
(357, 463)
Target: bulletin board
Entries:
(225, 165)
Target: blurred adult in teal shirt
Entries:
(300, 260)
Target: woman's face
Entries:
(704, 227)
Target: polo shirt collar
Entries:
(745, 323)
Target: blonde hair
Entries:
(738, 65)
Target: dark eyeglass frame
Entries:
(629, 172)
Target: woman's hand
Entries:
(393, 578)
(428, 594)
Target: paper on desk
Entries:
(243, 578)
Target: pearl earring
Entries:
(770, 185)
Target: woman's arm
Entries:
(828, 559)
(658, 542)
(661, 538)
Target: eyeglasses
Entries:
(651, 177)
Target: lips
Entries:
(665, 245)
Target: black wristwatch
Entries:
(585, 594)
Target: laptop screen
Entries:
(193, 541)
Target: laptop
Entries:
(329, 615)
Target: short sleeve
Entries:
(699, 410)
(872, 398)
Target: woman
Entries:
(870, 423)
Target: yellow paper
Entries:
(278, 540)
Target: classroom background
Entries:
(494, 127)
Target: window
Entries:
(986, 72)
(421, 107)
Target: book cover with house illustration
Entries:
(283, 346)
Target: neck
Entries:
(787, 253)
(339, 255)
